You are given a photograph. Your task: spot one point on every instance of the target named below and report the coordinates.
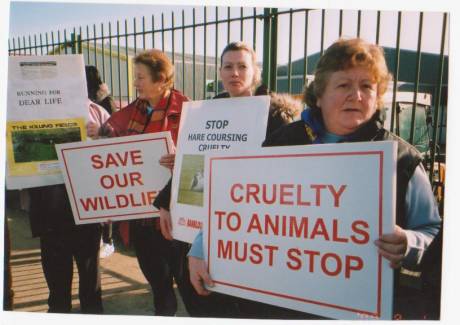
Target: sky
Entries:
(40, 20)
(33, 18)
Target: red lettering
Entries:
(219, 215)
(151, 195)
(135, 177)
(224, 252)
(245, 251)
(319, 230)
(271, 249)
(352, 267)
(242, 251)
(90, 202)
(271, 226)
(318, 189)
(97, 162)
(117, 159)
(194, 224)
(232, 193)
(299, 197)
(335, 232)
(312, 255)
(101, 202)
(359, 227)
(251, 191)
(120, 203)
(107, 182)
(330, 264)
(256, 257)
(122, 159)
(254, 224)
(297, 230)
(107, 203)
(121, 180)
(235, 216)
(136, 157)
(265, 198)
(133, 201)
(110, 161)
(285, 194)
(144, 199)
(338, 265)
(336, 194)
(293, 255)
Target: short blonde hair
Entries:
(159, 65)
(241, 46)
(345, 54)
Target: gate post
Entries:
(75, 41)
(270, 48)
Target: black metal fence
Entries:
(289, 43)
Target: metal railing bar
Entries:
(417, 77)
(395, 78)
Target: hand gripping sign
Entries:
(304, 217)
(225, 124)
(115, 179)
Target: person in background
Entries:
(344, 105)
(61, 241)
(240, 77)
(157, 108)
(99, 93)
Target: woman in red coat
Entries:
(157, 108)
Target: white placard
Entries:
(211, 125)
(115, 179)
(295, 227)
(47, 104)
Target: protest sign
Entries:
(115, 179)
(210, 125)
(305, 217)
(46, 105)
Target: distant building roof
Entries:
(429, 66)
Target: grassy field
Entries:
(190, 165)
(35, 152)
(38, 145)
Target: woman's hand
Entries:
(92, 130)
(393, 246)
(166, 224)
(168, 160)
(199, 275)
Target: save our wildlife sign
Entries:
(116, 178)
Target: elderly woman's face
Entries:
(147, 89)
(349, 100)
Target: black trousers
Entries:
(161, 262)
(225, 306)
(58, 249)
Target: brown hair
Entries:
(240, 46)
(345, 54)
(159, 65)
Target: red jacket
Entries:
(134, 119)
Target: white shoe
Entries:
(106, 250)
